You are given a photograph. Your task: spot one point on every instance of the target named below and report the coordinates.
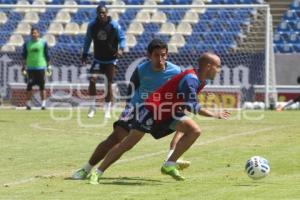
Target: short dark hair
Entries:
(34, 29)
(101, 5)
(156, 44)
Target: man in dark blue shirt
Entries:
(109, 43)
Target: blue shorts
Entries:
(126, 118)
(146, 123)
(100, 68)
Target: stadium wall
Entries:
(287, 69)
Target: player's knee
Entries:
(127, 146)
(92, 80)
(119, 134)
(195, 131)
(113, 138)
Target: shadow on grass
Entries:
(246, 185)
(6, 121)
(127, 181)
(130, 181)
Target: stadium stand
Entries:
(287, 38)
(180, 26)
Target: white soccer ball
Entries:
(248, 105)
(258, 105)
(257, 167)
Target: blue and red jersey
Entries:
(180, 92)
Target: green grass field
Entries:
(40, 150)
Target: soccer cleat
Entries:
(91, 113)
(43, 108)
(107, 115)
(28, 107)
(172, 171)
(182, 164)
(80, 174)
(95, 178)
(279, 108)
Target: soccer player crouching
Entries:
(190, 83)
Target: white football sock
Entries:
(93, 103)
(170, 163)
(28, 103)
(88, 167)
(107, 106)
(44, 103)
(169, 154)
(99, 172)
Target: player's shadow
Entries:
(129, 181)
(246, 185)
(6, 121)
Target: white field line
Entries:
(30, 179)
(42, 128)
(37, 126)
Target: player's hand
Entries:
(24, 72)
(119, 53)
(49, 71)
(223, 114)
(83, 59)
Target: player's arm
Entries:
(47, 57)
(46, 53)
(121, 39)
(189, 88)
(133, 85)
(24, 55)
(87, 44)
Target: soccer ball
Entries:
(257, 167)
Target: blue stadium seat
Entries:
(151, 27)
(294, 38)
(8, 1)
(128, 15)
(290, 15)
(285, 48)
(278, 39)
(49, 15)
(295, 4)
(172, 2)
(134, 2)
(297, 48)
(284, 26)
(81, 15)
(174, 15)
(210, 14)
(65, 39)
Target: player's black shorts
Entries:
(36, 77)
(126, 118)
(100, 68)
(146, 123)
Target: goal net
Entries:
(240, 34)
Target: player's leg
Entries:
(102, 149)
(29, 89)
(94, 72)
(41, 82)
(182, 164)
(116, 152)
(28, 97)
(109, 71)
(291, 102)
(92, 95)
(118, 134)
(121, 130)
(191, 132)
